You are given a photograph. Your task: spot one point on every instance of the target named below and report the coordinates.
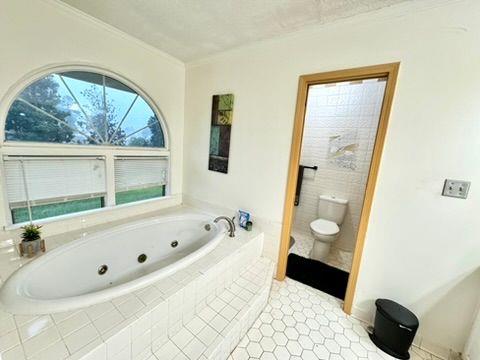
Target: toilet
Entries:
(331, 212)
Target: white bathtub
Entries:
(68, 277)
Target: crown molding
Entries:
(70, 10)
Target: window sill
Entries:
(60, 218)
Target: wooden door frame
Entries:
(390, 71)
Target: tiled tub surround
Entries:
(338, 115)
(136, 325)
(167, 244)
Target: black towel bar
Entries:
(299, 181)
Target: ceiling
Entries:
(192, 29)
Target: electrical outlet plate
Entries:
(456, 188)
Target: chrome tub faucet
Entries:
(231, 224)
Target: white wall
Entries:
(472, 347)
(343, 114)
(422, 249)
(37, 34)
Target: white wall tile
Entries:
(108, 320)
(124, 354)
(119, 342)
(141, 325)
(98, 353)
(9, 340)
(15, 353)
(37, 343)
(141, 343)
(57, 351)
(73, 323)
(81, 338)
(336, 110)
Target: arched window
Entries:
(81, 140)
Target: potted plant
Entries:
(32, 241)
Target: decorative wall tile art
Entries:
(342, 150)
(221, 125)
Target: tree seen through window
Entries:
(83, 108)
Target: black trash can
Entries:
(394, 329)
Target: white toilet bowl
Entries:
(324, 233)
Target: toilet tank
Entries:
(332, 208)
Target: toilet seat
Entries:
(324, 227)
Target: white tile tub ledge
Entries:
(199, 312)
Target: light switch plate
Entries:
(456, 188)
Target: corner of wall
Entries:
(70, 10)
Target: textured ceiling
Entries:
(192, 29)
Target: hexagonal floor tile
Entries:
(281, 353)
(240, 354)
(332, 346)
(268, 356)
(278, 325)
(294, 348)
(254, 349)
(288, 320)
(303, 329)
(305, 342)
(280, 338)
(266, 318)
(321, 351)
(358, 349)
(266, 330)
(342, 340)
(316, 337)
(291, 333)
(254, 335)
(267, 344)
(348, 354)
(301, 323)
(309, 355)
(327, 332)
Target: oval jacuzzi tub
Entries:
(108, 264)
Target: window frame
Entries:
(109, 152)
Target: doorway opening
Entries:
(340, 126)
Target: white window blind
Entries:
(39, 180)
(136, 173)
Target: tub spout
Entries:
(231, 224)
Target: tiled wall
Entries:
(340, 128)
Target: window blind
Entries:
(40, 179)
(136, 173)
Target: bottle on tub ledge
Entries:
(244, 220)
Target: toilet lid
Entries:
(324, 227)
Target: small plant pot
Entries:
(31, 248)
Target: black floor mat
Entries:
(318, 275)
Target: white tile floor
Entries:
(338, 258)
(300, 322)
